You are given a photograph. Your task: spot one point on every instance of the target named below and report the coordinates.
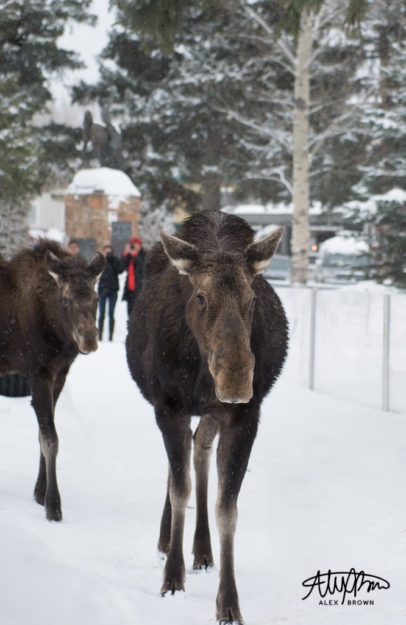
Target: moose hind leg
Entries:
(41, 484)
(203, 444)
(233, 452)
(177, 437)
(43, 402)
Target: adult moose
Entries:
(47, 316)
(207, 337)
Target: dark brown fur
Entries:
(210, 343)
(47, 314)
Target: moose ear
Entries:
(96, 265)
(181, 253)
(259, 254)
(54, 265)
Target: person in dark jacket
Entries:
(133, 261)
(108, 289)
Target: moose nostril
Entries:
(234, 400)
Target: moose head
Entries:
(221, 308)
(76, 281)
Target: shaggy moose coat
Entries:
(47, 316)
(207, 337)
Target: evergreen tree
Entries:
(384, 116)
(388, 252)
(383, 122)
(178, 142)
(29, 56)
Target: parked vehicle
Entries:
(279, 269)
(342, 259)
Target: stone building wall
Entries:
(90, 216)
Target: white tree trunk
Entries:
(301, 162)
(13, 225)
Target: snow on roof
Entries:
(370, 205)
(105, 180)
(344, 245)
(269, 209)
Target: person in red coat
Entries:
(133, 260)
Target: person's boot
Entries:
(111, 329)
(101, 324)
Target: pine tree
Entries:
(178, 140)
(29, 56)
(383, 121)
(388, 252)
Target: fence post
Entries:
(312, 346)
(386, 353)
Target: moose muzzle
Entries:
(86, 342)
(232, 381)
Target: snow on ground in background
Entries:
(324, 489)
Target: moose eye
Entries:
(65, 301)
(253, 303)
(201, 300)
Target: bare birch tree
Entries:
(301, 157)
(299, 120)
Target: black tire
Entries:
(14, 385)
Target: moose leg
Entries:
(165, 529)
(233, 453)
(41, 483)
(203, 441)
(177, 437)
(43, 404)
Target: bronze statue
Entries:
(105, 140)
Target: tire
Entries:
(14, 385)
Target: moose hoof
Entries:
(54, 515)
(53, 511)
(229, 616)
(171, 587)
(39, 497)
(204, 562)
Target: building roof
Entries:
(112, 182)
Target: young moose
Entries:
(47, 316)
(207, 337)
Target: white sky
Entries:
(88, 42)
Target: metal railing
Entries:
(348, 343)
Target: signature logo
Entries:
(345, 584)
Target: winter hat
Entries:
(135, 240)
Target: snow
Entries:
(369, 206)
(315, 208)
(112, 182)
(349, 345)
(324, 489)
(344, 245)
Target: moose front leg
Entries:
(177, 437)
(46, 489)
(233, 453)
(203, 443)
(165, 528)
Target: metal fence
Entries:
(348, 343)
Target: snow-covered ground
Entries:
(325, 490)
